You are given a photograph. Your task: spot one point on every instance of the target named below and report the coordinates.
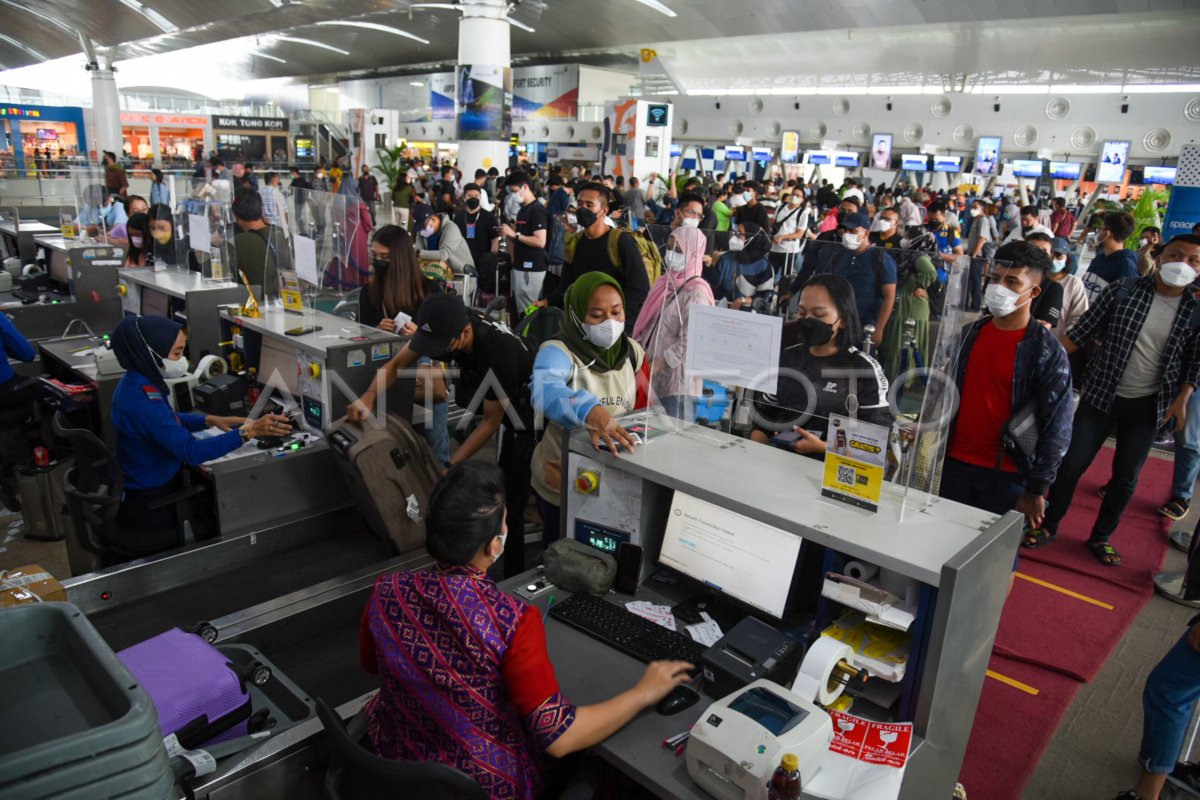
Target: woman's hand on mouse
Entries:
(268, 425)
(660, 678)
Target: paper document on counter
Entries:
(659, 615)
(734, 347)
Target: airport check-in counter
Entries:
(960, 559)
(84, 281)
(325, 363)
(189, 294)
(22, 243)
(70, 360)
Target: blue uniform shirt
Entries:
(153, 442)
(15, 346)
(868, 272)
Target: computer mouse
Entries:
(680, 698)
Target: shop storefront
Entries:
(41, 138)
(261, 141)
(170, 141)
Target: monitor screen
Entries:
(817, 156)
(881, 151)
(1027, 169)
(915, 163)
(987, 155)
(57, 266)
(740, 557)
(735, 154)
(789, 152)
(848, 160)
(277, 361)
(1113, 160)
(676, 150)
(947, 163)
(1065, 170)
(1163, 175)
(156, 303)
(762, 153)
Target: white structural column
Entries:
(483, 38)
(106, 113)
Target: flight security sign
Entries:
(855, 457)
(550, 91)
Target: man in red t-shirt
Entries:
(1006, 363)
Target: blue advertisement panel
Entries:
(1183, 211)
(34, 135)
(484, 102)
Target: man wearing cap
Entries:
(1074, 293)
(439, 239)
(495, 370)
(870, 270)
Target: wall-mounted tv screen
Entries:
(947, 163)
(987, 155)
(1066, 170)
(914, 163)
(1163, 175)
(1027, 169)
(1113, 160)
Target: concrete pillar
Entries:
(106, 113)
(483, 39)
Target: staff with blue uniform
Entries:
(153, 441)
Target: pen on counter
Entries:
(546, 613)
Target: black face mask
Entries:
(380, 265)
(586, 217)
(841, 216)
(1026, 228)
(933, 226)
(814, 332)
(472, 203)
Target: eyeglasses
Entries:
(687, 212)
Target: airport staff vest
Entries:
(617, 392)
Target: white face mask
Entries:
(1001, 300)
(795, 199)
(1059, 264)
(427, 232)
(674, 260)
(174, 367)
(880, 226)
(137, 241)
(747, 196)
(1177, 274)
(850, 241)
(736, 243)
(606, 334)
(691, 222)
(571, 220)
(975, 212)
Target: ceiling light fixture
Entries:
(311, 43)
(416, 83)
(657, 6)
(374, 26)
(520, 25)
(22, 46)
(510, 20)
(265, 55)
(165, 25)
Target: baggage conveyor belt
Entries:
(133, 602)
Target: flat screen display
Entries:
(817, 157)
(1162, 175)
(676, 150)
(1113, 160)
(1065, 170)
(915, 163)
(947, 163)
(848, 160)
(987, 155)
(762, 153)
(789, 152)
(1027, 169)
(735, 154)
(881, 151)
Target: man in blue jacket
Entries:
(1009, 368)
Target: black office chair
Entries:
(94, 488)
(356, 773)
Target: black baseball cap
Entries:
(419, 214)
(440, 320)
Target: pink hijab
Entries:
(693, 243)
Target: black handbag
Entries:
(1019, 436)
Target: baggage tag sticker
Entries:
(356, 358)
(381, 352)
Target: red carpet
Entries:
(1052, 641)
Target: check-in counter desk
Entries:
(959, 560)
(173, 291)
(89, 273)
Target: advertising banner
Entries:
(1183, 209)
(546, 92)
(484, 103)
(441, 96)
(855, 456)
(789, 152)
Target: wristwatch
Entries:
(244, 433)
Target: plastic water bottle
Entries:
(785, 783)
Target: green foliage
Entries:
(1145, 214)
(391, 163)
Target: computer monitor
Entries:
(56, 265)
(914, 163)
(274, 359)
(1160, 175)
(1066, 170)
(947, 163)
(1026, 168)
(155, 303)
(741, 558)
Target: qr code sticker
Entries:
(846, 475)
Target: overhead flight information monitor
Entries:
(947, 163)
(751, 562)
(915, 163)
(1161, 175)
(1027, 169)
(1113, 159)
(987, 155)
(1065, 170)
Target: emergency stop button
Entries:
(314, 370)
(587, 481)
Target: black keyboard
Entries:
(626, 631)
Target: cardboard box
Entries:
(19, 586)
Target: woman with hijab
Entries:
(663, 322)
(358, 232)
(587, 376)
(153, 441)
(140, 240)
(917, 272)
(744, 271)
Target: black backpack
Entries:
(541, 326)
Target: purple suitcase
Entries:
(199, 695)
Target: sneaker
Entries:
(1128, 796)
